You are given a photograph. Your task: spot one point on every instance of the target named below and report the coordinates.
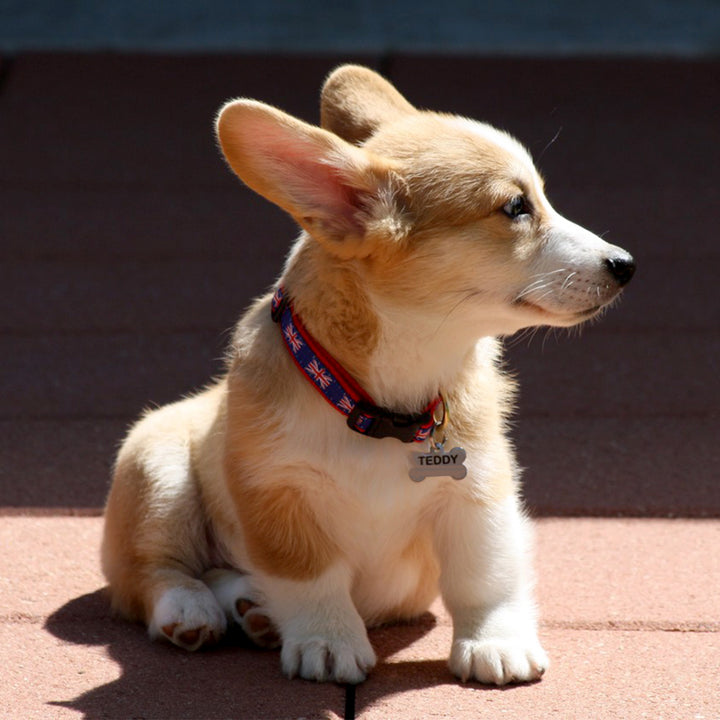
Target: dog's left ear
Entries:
(355, 102)
(342, 195)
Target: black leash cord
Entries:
(350, 702)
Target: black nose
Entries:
(621, 267)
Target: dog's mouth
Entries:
(554, 315)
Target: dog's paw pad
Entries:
(190, 639)
(256, 624)
(188, 618)
(169, 630)
(242, 605)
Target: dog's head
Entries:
(434, 210)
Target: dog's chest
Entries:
(388, 536)
(384, 505)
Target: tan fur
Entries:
(355, 102)
(280, 170)
(150, 528)
(255, 494)
(336, 308)
(282, 534)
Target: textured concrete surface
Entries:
(629, 608)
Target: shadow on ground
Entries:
(230, 680)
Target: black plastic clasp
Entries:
(384, 423)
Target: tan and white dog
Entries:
(424, 237)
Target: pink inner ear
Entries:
(316, 179)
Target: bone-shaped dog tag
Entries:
(438, 463)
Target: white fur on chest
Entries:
(374, 473)
(361, 495)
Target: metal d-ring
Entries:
(440, 424)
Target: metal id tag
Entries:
(438, 463)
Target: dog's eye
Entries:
(516, 207)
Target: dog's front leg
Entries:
(486, 583)
(323, 636)
(301, 572)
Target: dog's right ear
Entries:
(355, 101)
(342, 195)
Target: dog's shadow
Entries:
(232, 679)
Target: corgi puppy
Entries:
(354, 461)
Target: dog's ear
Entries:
(342, 195)
(355, 101)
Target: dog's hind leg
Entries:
(156, 544)
(243, 605)
(153, 560)
(186, 613)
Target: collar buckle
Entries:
(377, 422)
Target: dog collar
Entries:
(340, 389)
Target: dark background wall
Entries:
(127, 250)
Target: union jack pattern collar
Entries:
(333, 382)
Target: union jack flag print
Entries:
(293, 338)
(346, 405)
(340, 390)
(318, 373)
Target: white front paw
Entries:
(498, 661)
(336, 659)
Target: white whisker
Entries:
(549, 272)
(568, 281)
(466, 296)
(542, 281)
(535, 287)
